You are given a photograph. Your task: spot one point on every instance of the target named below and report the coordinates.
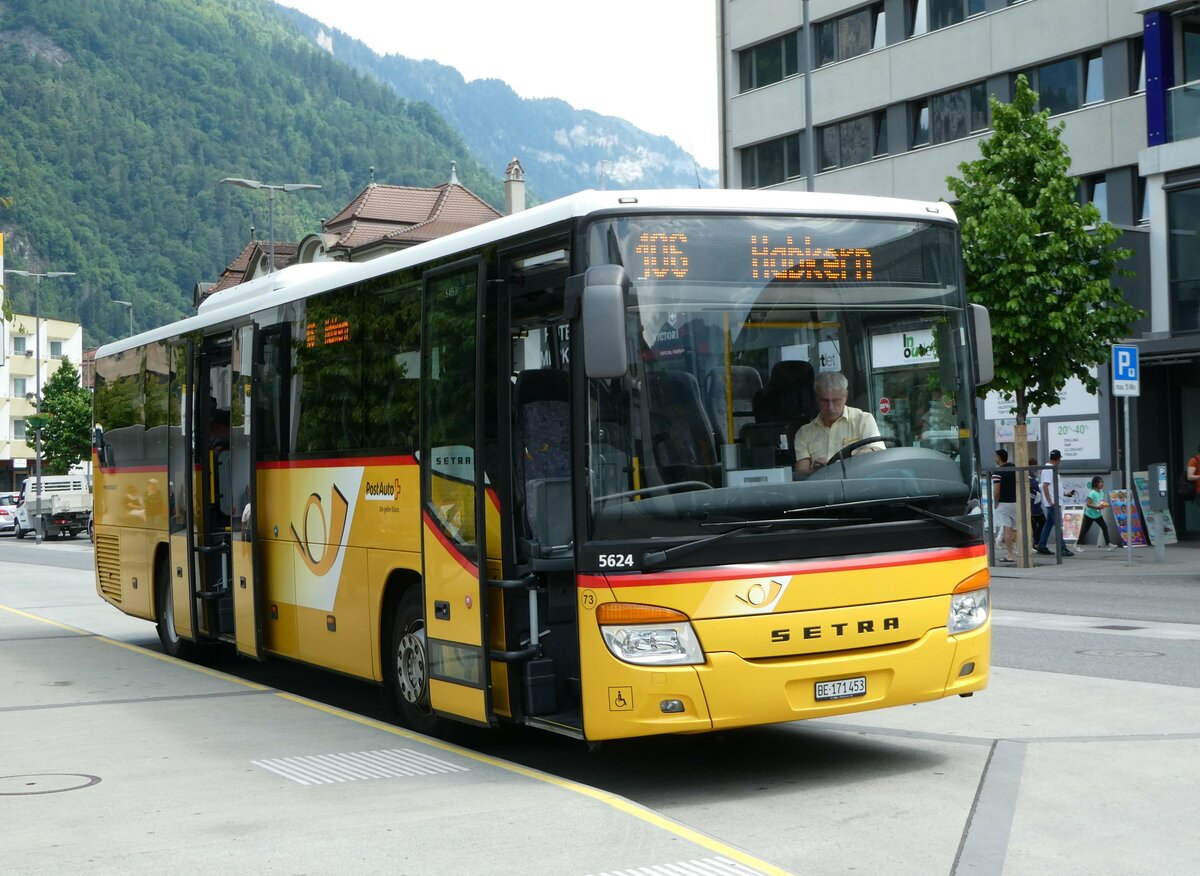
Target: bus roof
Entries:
(299, 281)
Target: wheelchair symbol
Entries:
(620, 699)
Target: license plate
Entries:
(842, 688)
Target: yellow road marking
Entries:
(608, 798)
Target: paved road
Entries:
(1045, 772)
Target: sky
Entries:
(650, 62)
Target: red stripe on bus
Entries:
(767, 570)
(340, 463)
(432, 526)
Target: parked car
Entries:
(8, 512)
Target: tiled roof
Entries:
(392, 217)
(402, 214)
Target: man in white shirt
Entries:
(1052, 506)
(834, 427)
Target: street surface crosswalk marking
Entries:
(325, 769)
(698, 867)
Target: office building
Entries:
(899, 98)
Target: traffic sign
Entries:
(1125, 373)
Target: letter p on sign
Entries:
(1125, 370)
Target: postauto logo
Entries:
(382, 491)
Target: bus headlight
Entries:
(648, 635)
(968, 610)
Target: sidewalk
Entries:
(1180, 560)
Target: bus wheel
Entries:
(164, 613)
(407, 666)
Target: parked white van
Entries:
(62, 509)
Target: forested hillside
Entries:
(560, 147)
(120, 117)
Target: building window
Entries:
(772, 162)
(1057, 85)
(918, 21)
(919, 116)
(850, 35)
(768, 62)
(1183, 258)
(1093, 78)
(19, 348)
(1094, 190)
(19, 430)
(1143, 217)
(949, 116)
(1190, 32)
(927, 15)
(18, 387)
(853, 141)
(1137, 66)
(56, 349)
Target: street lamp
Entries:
(128, 304)
(271, 190)
(37, 420)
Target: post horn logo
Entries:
(763, 596)
(329, 535)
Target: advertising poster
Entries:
(1128, 519)
(1156, 521)
(1072, 519)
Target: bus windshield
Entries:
(736, 326)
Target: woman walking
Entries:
(1094, 513)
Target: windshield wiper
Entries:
(651, 559)
(905, 503)
(949, 522)
(860, 503)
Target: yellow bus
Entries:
(544, 471)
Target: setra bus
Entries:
(542, 471)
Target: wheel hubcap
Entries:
(410, 665)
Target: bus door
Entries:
(454, 491)
(181, 608)
(215, 414)
(247, 616)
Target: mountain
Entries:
(561, 148)
(120, 117)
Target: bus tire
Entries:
(173, 644)
(407, 666)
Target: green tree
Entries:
(1041, 262)
(67, 406)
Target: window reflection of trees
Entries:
(357, 368)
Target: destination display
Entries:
(837, 251)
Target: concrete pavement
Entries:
(115, 758)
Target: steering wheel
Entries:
(861, 442)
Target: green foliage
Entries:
(66, 437)
(121, 116)
(1041, 262)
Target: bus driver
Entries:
(834, 427)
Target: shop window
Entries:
(1183, 258)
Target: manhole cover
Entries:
(44, 783)
(1100, 652)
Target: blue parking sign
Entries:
(1125, 373)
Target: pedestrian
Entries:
(1052, 506)
(1036, 518)
(1193, 475)
(1004, 500)
(1093, 512)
